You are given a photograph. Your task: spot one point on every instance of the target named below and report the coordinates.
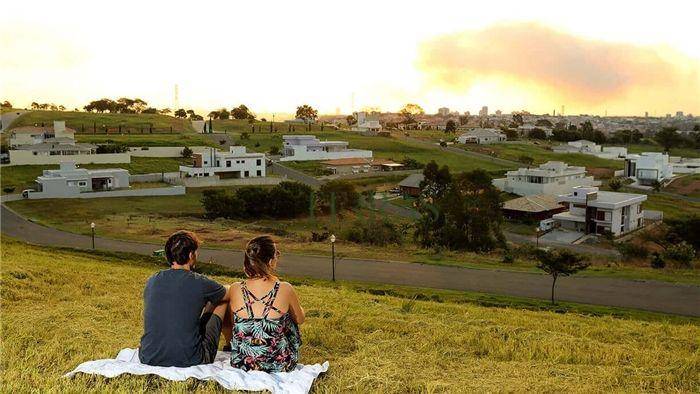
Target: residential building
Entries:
(534, 207)
(484, 111)
(236, 163)
(410, 186)
(593, 211)
(551, 178)
(648, 167)
(481, 136)
(308, 147)
(360, 165)
(612, 152)
(367, 124)
(30, 135)
(580, 146)
(444, 111)
(69, 181)
(683, 165)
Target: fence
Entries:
(163, 151)
(213, 181)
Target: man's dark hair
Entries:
(180, 245)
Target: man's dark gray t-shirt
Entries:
(173, 302)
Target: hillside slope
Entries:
(61, 308)
(86, 120)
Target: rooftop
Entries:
(412, 180)
(535, 203)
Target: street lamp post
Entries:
(537, 236)
(92, 226)
(333, 256)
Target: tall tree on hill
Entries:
(307, 113)
(668, 138)
(213, 115)
(560, 263)
(165, 111)
(450, 126)
(6, 104)
(409, 112)
(180, 113)
(224, 114)
(518, 119)
(242, 112)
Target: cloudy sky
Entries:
(623, 57)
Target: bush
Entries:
(615, 184)
(275, 150)
(186, 153)
(682, 253)
(657, 261)
(290, 199)
(346, 197)
(630, 250)
(412, 164)
(112, 148)
(286, 200)
(508, 257)
(374, 232)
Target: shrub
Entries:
(657, 261)
(186, 153)
(630, 250)
(615, 184)
(286, 200)
(346, 197)
(275, 150)
(218, 203)
(290, 199)
(374, 232)
(112, 148)
(8, 189)
(682, 253)
(412, 164)
(508, 257)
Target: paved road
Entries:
(463, 152)
(7, 118)
(650, 295)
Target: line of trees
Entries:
(241, 112)
(46, 106)
(183, 114)
(123, 105)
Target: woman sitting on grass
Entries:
(265, 313)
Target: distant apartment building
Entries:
(580, 146)
(234, 164)
(484, 111)
(308, 147)
(367, 124)
(481, 136)
(593, 211)
(69, 181)
(444, 111)
(648, 167)
(551, 178)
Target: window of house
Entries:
(259, 173)
(228, 163)
(579, 206)
(258, 162)
(82, 183)
(600, 215)
(247, 174)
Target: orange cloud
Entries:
(587, 72)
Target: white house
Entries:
(593, 211)
(308, 147)
(367, 124)
(236, 163)
(580, 146)
(612, 152)
(481, 136)
(551, 178)
(30, 135)
(69, 181)
(648, 167)
(685, 165)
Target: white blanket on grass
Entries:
(297, 381)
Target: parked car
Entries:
(25, 192)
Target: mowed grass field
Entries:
(23, 177)
(86, 120)
(61, 308)
(175, 139)
(393, 148)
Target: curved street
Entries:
(656, 296)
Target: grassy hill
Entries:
(80, 120)
(61, 308)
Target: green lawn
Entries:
(672, 207)
(85, 120)
(392, 148)
(176, 139)
(23, 177)
(653, 147)
(237, 125)
(61, 308)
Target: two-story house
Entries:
(236, 163)
(551, 178)
(308, 147)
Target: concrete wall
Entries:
(153, 177)
(22, 157)
(301, 155)
(369, 174)
(212, 181)
(160, 191)
(163, 151)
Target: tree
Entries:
(307, 113)
(450, 126)
(214, 114)
(518, 119)
(351, 120)
(224, 114)
(668, 138)
(150, 110)
(511, 134)
(409, 112)
(61, 107)
(543, 123)
(241, 112)
(615, 184)
(463, 120)
(560, 263)
(274, 150)
(186, 152)
(165, 111)
(340, 193)
(180, 113)
(525, 159)
(656, 185)
(34, 105)
(537, 134)
(6, 104)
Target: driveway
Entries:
(665, 297)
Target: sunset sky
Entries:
(625, 57)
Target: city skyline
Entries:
(537, 57)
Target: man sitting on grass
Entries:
(183, 311)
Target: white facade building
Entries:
(444, 111)
(551, 178)
(30, 135)
(685, 165)
(580, 146)
(234, 164)
(592, 211)
(648, 167)
(367, 124)
(69, 181)
(308, 147)
(481, 136)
